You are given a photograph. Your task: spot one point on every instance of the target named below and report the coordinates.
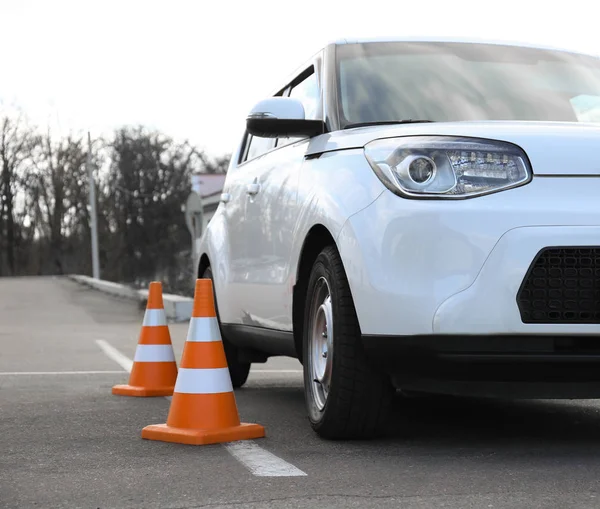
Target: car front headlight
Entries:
(447, 167)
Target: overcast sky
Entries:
(194, 68)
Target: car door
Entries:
(233, 203)
(271, 210)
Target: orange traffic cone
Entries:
(203, 409)
(154, 369)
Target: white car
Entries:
(421, 215)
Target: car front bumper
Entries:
(514, 366)
(454, 268)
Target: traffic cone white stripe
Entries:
(154, 318)
(203, 381)
(154, 353)
(204, 330)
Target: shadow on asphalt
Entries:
(486, 421)
(460, 422)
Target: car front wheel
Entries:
(345, 397)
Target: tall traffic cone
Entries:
(154, 369)
(203, 409)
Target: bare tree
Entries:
(148, 181)
(57, 182)
(143, 180)
(17, 142)
(219, 165)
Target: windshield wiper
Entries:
(387, 122)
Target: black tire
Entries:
(359, 398)
(238, 371)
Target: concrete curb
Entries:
(177, 308)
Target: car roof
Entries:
(465, 40)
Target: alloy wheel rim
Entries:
(321, 344)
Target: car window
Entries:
(307, 92)
(587, 107)
(457, 82)
(257, 146)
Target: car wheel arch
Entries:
(317, 238)
(203, 264)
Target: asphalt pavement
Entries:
(66, 441)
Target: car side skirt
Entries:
(267, 341)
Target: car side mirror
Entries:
(281, 117)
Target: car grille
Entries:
(562, 286)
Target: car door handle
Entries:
(225, 197)
(253, 188)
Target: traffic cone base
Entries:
(165, 433)
(130, 390)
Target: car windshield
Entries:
(392, 81)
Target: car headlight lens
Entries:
(447, 167)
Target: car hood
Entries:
(554, 148)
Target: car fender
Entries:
(332, 188)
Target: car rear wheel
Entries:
(345, 397)
(237, 370)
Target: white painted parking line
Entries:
(34, 373)
(125, 362)
(259, 461)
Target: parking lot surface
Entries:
(66, 441)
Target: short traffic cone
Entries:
(203, 409)
(154, 369)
